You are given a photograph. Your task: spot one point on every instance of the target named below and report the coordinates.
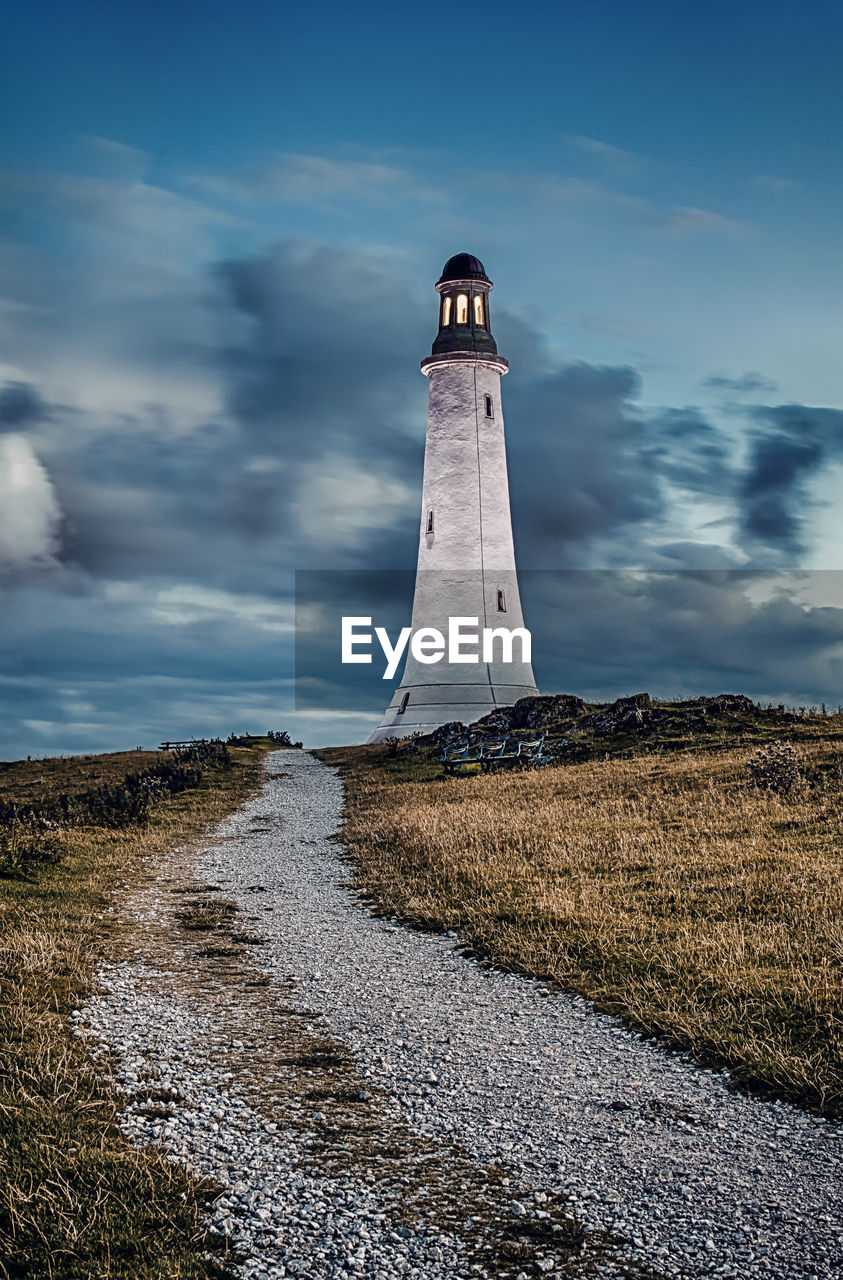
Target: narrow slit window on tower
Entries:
(490, 413)
(478, 308)
(429, 527)
(501, 601)
(462, 308)
(446, 311)
(403, 704)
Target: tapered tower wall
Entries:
(466, 560)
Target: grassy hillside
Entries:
(76, 1200)
(646, 871)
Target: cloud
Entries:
(289, 429)
(686, 220)
(604, 633)
(690, 452)
(601, 197)
(20, 406)
(119, 214)
(322, 378)
(29, 512)
(314, 454)
(187, 604)
(319, 181)
(583, 418)
(572, 193)
(592, 467)
(747, 384)
(789, 445)
(680, 634)
(615, 157)
(773, 182)
(309, 451)
(118, 158)
(703, 556)
(334, 490)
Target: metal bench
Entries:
(515, 754)
(501, 753)
(456, 757)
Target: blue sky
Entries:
(219, 229)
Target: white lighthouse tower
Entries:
(466, 562)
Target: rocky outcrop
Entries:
(635, 715)
(535, 713)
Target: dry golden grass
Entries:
(33, 781)
(669, 890)
(76, 1200)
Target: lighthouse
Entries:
(466, 561)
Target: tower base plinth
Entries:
(431, 706)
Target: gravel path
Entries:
(538, 1097)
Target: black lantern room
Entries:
(463, 289)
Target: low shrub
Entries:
(776, 767)
(35, 833)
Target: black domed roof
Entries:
(463, 266)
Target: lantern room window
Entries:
(446, 311)
(478, 308)
(462, 308)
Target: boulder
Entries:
(453, 731)
(540, 713)
(726, 704)
(634, 700)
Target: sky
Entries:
(220, 226)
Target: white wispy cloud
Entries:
(773, 182)
(293, 177)
(131, 219)
(187, 603)
(687, 220)
(615, 157)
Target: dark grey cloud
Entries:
(328, 340)
(605, 633)
(575, 459)
(689, 451)
(588, 465)
(314, 351)
(321, 418)
(701, 556)
(321, 410)
(746, 384)
(789, 445)
(680, 634)
(20, 406)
